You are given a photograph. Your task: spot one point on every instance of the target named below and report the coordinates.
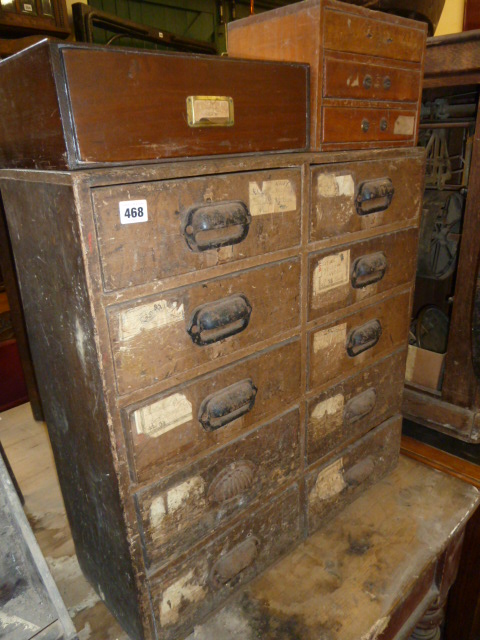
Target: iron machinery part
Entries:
(432, 329)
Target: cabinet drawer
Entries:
(211, 411)
(177, 331)
(358, 340)
(345, 31)
(184, 594)
(345, 125)
(334, 485)
(346, 275)
(356, 196)
(181, 510)
(194, 224)
(350, 78)
(351, 408)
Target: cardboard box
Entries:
(424, 368)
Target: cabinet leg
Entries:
(428, 627)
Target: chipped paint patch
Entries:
(273, 196)
(331, 272)
(148, 317)
(331, 337)
(14, 621)
(80, 342)
(162, 416)
(327, 416)
(377, 629)
(329, 483)
(179, 498)
(184, 591)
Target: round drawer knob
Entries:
(367, 82)
(365, 125)
(383, 124)
(387, 83)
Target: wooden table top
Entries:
(346, 581)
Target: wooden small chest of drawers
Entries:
(365, 68)
(222, 373)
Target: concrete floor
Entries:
(28, 449)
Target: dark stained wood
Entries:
(345, 411)
(188, 591)
(119, 106)
(316, 32)
(328, 356)
(452, 60)
(157, 450)
(333, 191)
(471, 15)
(130, 256)
(336, 276)
(179, 512)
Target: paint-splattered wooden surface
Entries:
(346, 581)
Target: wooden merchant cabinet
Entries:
(220, 342)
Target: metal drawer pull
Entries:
(234, 562)
(360, 472)
(359, 406)
(367, 82)
(387, 83)
(383, 124)
(217, 224)
(374, 196)
(363, 338)
(222, 407)
(232, 482)
(368, 269)
(365, 125)
(221, 319)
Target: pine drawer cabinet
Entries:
(220, 345)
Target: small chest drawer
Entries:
(190, 420)
(335, 484)
(181, 510)
(340, 277)
(351, 408)
(350, 78)
(349, 126)
(188, 591)
(192, 224)
(157, 338)
(364, 195)
(375, 35)
(358, 340)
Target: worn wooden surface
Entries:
(141, 105)
(347, 581)
(345, 90)
(452, 60)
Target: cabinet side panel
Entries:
(43, 230)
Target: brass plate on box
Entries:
(210, 111)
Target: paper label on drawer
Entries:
(404, 126)
(149, 316)
(133, 211)
(328, 415)
(163, 415)
(329, 482)
(331, 271)
(211, 109)
(330, 337)
(189, 588)
(330, 186)
(271, 196)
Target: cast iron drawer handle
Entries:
(232, 482)
(365, 125)
(374, 196)
(387, 83)
(363, 338)
(217, 224)
(359, 406)
(222, 407)
(232, 563)
(360, 472)
(367, 82)
(368, 269)
(221, 319)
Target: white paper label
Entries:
(332, 271)
(149, 316)
(211, 109)
(133, 211)
(27, 7)
(189, 588)
(330, 186)
(163, 415)
(328, 415)
(272, 196)
(330, 337)
(404, 126)
(329, 482)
